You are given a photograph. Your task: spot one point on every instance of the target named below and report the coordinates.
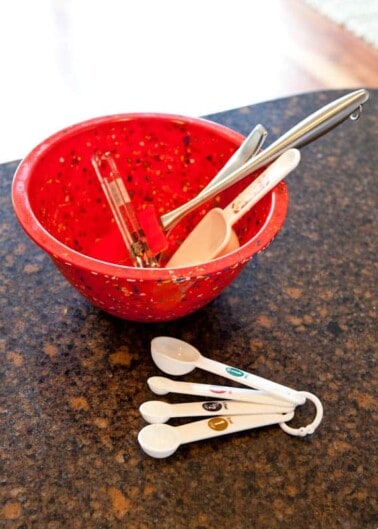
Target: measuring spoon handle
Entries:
(163, 385)
(250, 380)
(231, 407)
(264, 183)
(223, 425)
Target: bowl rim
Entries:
(61, 252)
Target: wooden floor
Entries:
(307, 51)
(321, 54)
(157, 56)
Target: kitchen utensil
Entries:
(306, 131)
(123, 211)
(163, 386)
(59, 203)
(249, 147)
(176, 357)
(213, 234)
(162, 440)
(158, 411)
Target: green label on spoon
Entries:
(235, 372)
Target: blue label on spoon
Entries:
(235, 372)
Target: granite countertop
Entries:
(301, 313)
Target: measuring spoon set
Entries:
(145, 235)
(236, 409)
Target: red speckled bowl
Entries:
(165, 160)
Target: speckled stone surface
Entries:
(302, 313)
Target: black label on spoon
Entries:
(212, 406)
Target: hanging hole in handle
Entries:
(356, 114)
(310, 428)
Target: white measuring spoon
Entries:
(158, 411)
(163, 385)
(213, 233)
(247, 150)
(162, 440)
(176, 357)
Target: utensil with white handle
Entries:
(164, 385)
(158, 411)
(162, 440)
(176, 357)
(213, 235)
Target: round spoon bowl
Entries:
(165, 160)
(173, 356)
(159, 440)
(157, 385)
(214, 233)
(155, 411)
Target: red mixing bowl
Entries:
(165, 160)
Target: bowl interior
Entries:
(164, 161)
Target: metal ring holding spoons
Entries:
(310, 428)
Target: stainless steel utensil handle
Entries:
(306, 131)
(250, 147)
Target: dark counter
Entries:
(302, 313)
